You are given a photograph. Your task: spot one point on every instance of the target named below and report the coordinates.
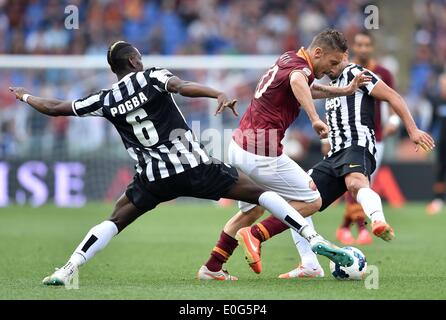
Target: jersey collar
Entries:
(370, 66)
(116, 85)
(304, 55)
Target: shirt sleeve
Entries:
(369, 87)
(89, 106)
(303, 68)
(159, 78)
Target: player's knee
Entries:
(249, 217)
(256, 192)
(354, 184)
(312, 207)
(121, 221)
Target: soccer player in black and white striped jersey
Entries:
(170, 161)
(351, 118)
(351, 161)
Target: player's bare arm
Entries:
(50, 107)
(383, 92)
(194, 90)
(319, 91)
(302, 92)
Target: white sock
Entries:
(282, 210)
(95, 240)
(307, 256)
(371, 204)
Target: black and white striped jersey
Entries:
(149, 122)
(351, 118)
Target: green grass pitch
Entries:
(157, 257)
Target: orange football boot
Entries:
(345, 236)
(383, 230)
(364, 237)
(251, 246)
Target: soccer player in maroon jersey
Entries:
(256, 147)
(363, 49)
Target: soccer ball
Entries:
(356, 271)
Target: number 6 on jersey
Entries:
(144, 130)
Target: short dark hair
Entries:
(330, 39)
(118, 55)
(366, 33)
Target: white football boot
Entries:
(62, 276)
(304, 272)
(205, 274)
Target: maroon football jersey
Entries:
(273, 107)
(387, 77)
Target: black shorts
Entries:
(210, 180)
(328, 175)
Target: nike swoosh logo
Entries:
(354, 165)
(215, 277)
(252, 244)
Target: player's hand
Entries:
(423, 140)
(321, 128)
(224, 102)
(19, 92)
(361, 79)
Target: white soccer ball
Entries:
(356, 271)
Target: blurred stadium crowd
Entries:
(187, 27)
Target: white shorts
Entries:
(279, 174)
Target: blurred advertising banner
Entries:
(66, 184)
(74, 183)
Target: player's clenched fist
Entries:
(321, 128)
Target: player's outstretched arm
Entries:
(195, 90)
(319, 91)
(50, 107)
(382, 91)
(302, 92)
